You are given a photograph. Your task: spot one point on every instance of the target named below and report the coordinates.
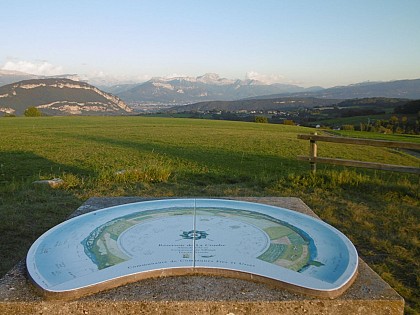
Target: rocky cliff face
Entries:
(56, 96)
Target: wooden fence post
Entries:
(313, 158)
(313, 149)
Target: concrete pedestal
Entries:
(197, 294)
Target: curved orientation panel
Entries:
(122, 244)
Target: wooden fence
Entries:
(313, 158)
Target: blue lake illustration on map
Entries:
(216, 234)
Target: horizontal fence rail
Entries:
(313, 158)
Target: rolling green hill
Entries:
(144, 156)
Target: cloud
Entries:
(37, 67)
(264, 78)
(175, 75)
(103, 78)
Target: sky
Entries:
(304, 42)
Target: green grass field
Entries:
(378, 136)
(145, 156)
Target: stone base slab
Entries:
(198, 294)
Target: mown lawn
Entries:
(145, 156)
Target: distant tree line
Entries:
(373, 101)
(261, 119)
(412, 107)
(393, 125)
(406, 119)
(360, 112)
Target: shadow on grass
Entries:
(18, 166)
(26, 210)
(225, 164)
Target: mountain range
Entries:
(57, 96)
(209, 87)
(409, 89)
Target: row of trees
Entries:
(263, 119)
(393, 125)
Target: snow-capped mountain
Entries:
(208, 87)
(170, 90)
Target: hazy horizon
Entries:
(306, 43)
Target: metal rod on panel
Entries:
(313, 152)
(194, 230)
